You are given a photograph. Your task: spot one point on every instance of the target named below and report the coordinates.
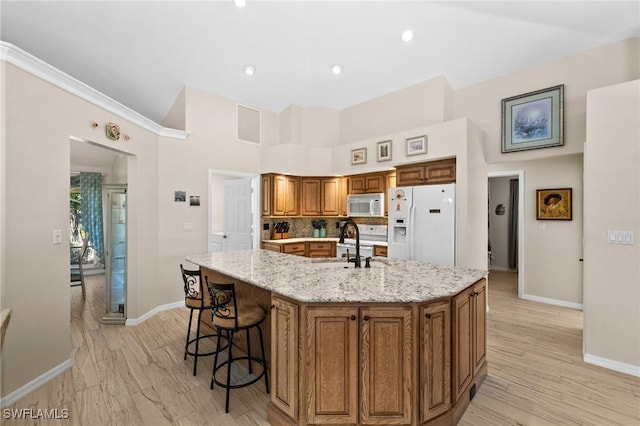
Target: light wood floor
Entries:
(136, 375)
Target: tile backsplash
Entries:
(300, 227)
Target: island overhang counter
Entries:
(401, 342)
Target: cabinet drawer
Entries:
(320, 246)
(380, 251)
(293, 248)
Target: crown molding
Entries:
(13, 55)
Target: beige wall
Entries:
(40, 119)
(612, 202)
(552, 250)
(422, 104)
(607, 65)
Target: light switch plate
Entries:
(187, 226)
(57, 236)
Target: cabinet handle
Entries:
(427, 315)
(273, 306)
(353, 317)
(366, 318)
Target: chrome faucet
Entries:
(356, 260)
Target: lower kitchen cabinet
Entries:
(284, 356)
(387, 365)
(331, 357)
(380, 251)
(435, 360)
(303, 248)
(376, 364)
(469, 334)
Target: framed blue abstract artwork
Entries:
(533, 120)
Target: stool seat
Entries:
(193, 299)
(230, 317)
(248, 316)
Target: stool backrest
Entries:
(192, 281)
(223, 300)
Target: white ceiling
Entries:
(142, 53)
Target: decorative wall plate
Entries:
(113, 131)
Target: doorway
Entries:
(234, 218)
(110, 166)
(506, 223)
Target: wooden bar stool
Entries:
(195, 301)
(230, 318)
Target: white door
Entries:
(238, 217)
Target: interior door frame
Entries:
(255, 203)
(521, 266)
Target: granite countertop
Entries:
(327, 280)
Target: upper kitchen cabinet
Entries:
(368, 183)
(430, 172)
(323, 196)
(280, 195)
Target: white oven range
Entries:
(370, 235)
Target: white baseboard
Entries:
(555, 302)
(621, 367)
(157, 309)
(23, 391)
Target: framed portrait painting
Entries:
(384, 151)
(417, 145)
(359, 156)
(554, 204)
(533, 120)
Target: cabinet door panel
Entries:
(357, 185)
(410, 176)
(332, 361)
(266, 195)
(435, 360)
(387, 363)
(441, 172)
(279, 196)
(462, 342)
(291, 196)
(375, 183)
(284, 356)
(310, 199)
(330, 197)
(480, 315)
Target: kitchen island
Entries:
(402, 342)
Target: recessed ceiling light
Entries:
(407, 35)
(336, 69)
(240, 3)
(249, 70)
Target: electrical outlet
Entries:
(265, 226)
(187, 226)
(57, 236)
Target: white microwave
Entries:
(365, 205)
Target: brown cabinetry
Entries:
(303, 248)
(380, 251)
(321, 249)
(368, 183)
(387, 363)
(435, 360)
(431, 172)
(279, 195)
(469, 339)
(322, 196)
(298, 249)
(284, 356)
(331, 359)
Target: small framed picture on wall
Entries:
(359, 156)
(384, 151)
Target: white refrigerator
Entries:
(422, 223)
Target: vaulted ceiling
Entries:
(142, 53)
